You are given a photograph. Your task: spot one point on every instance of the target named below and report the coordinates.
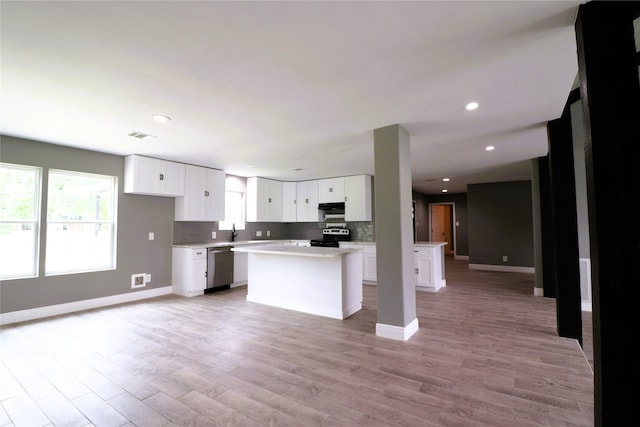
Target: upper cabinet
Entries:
(154, 177)
(264, 200)
(331, 190)
(307, 202)
(204, 195)
(357, 201)
(289, 201)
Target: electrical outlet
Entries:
(213, 234)
(147, 278)
(505, 258)
(268, 233)
(152, 235)
(258, 233)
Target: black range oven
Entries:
(331, 237)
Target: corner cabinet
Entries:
(357, 198)
(153, 177)
(264, 200)
(203, 195)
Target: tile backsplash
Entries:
(187, 232)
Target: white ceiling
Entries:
(265, 88)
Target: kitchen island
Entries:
(316, 280)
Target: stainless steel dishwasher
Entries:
(219, 268)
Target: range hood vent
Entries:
(339, 206)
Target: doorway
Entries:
(441, 225)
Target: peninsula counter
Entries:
(316, 280)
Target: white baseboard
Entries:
(71, 307)
(507, 268)
(397, 332)
(461, 257)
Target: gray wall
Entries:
(500, 223)
(137, 216)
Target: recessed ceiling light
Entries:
(446, 179)
(489, 148)
(141, 135)
(161, 118)
(445, 190)
(471, 106)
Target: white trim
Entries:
(397, 332)
(461, 257)
(507, 268)
(538, 292)
(70, 307)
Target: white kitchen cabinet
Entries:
(203, 196)
(153, 177)
(307, 202)
(289, 202)
(357, 201)
(369, 268)
(240, 269)
(189, 271)
(331, 190)
(429, 267)
(264, 200)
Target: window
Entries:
(19, 220)
(233, 211)
(81, 222)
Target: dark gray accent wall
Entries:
(500, 223)
(137, 216)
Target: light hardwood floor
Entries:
(486, 354)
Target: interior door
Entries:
(441, 226)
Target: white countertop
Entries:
(417, 244)
(430, 244)
(314, 251)
(234, 244)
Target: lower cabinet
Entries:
(369, 268)
(428, 265)
(189, 271)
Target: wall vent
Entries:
(137, 281)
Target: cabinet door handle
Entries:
(161, 177)
(269, 199)
(206, 193)
(345, 198)
(306, 201)
(417, 271)
(330, 189)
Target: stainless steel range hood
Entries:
(338, 206)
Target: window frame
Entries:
(112, 223)
(35, 222)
